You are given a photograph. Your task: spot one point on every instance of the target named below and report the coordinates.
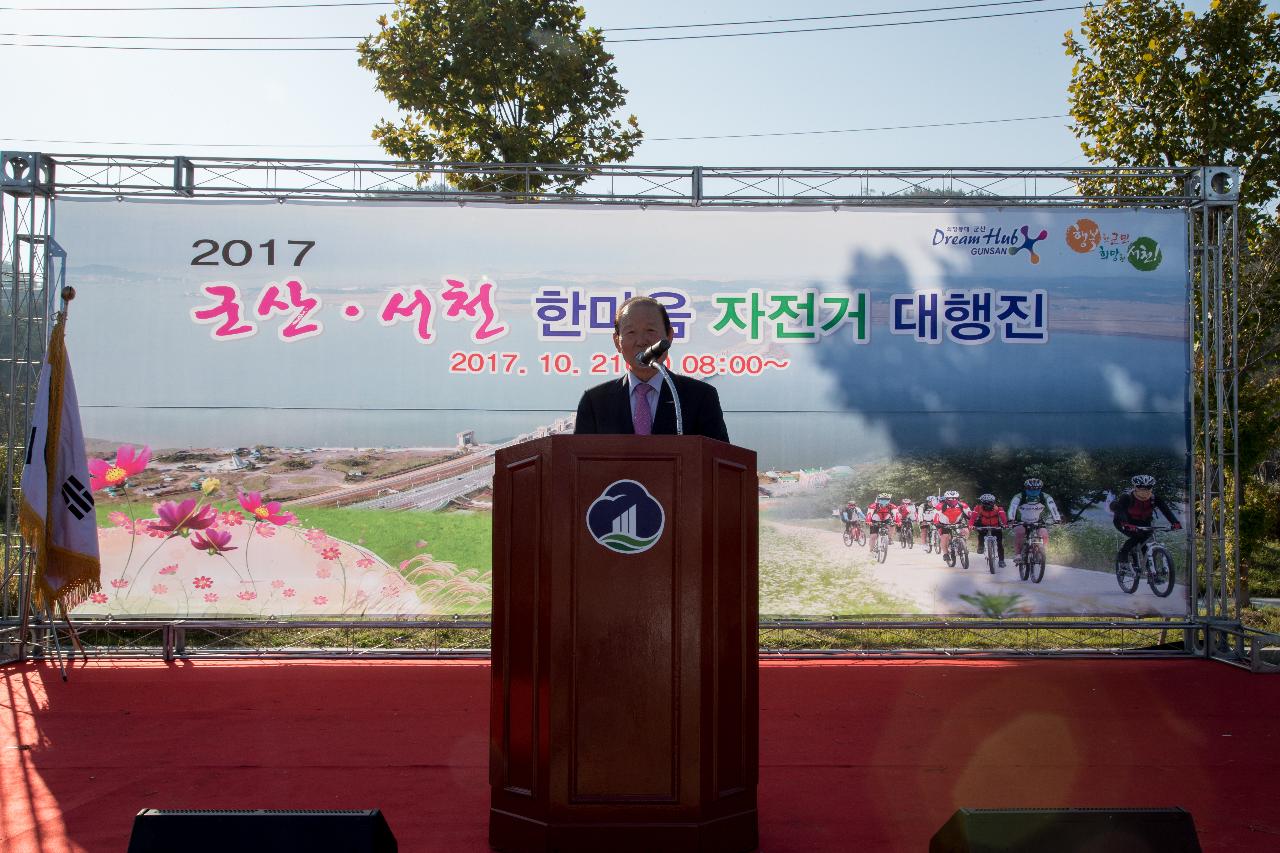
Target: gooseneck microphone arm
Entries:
(652, 357)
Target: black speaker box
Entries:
(1067, 831)
(261, 830)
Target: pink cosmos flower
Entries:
(180, 519)
(202, 582)
(247, 595)
(211, 597)
(315, 534)
(266, 531)
(98, 598)
(290, 592)
(252, 503)
(330, 553)
(159, 589)
(320, 599)
(364, 562)
(231, 518)
(323, 572)
(170, 569)
(128, 462)
(391, 591)
(213, 541)
(119, 519)
(119, 583)
(277, 584)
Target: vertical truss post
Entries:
(26, 215)
(1216, 471)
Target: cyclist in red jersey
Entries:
(907, 514)
(988, 513)
(883, 510)
(952, 510)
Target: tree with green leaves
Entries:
(1157, 85)
(499, 81)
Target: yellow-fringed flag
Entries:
(56, 515)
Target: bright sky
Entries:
(283, 103)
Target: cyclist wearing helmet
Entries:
(850, 515)
(882, 510)
(927, 510)
(907, 514)
(952, 510)
(988, 513)
(1137, 508)
(1030, 505)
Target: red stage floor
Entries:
(854, 755)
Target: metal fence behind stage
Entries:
(32, 266)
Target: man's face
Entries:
(1142, 493)
(641, 327)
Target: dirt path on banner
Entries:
(933, 587)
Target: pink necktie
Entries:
(643, 415)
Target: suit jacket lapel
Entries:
(664, 418)
(622, 407)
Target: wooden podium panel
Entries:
(624, 700)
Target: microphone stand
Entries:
(652, 357)
(675, 396)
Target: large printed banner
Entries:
(295, 407)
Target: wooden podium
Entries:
(624, 703)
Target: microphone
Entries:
(654, 353)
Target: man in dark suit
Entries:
(640, 403)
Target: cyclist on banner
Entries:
(1137, 508)
(907, 515)
(924, 515)
(1030, 505)
(880, 512)
(988, 513)
(851, 515)
(927, 509)
(952, 512)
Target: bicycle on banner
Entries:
(987, 538)
(956, 551)
(1150, 558)
(881, 536)
(1031, 556)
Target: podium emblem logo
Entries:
(626, 519)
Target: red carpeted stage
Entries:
(864, 755)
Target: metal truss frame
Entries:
(33, 265)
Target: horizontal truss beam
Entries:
(377, 180)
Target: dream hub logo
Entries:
(626, 519)
(987, 240)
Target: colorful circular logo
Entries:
(626, 519)
(1144, 254)
(1084, 236)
